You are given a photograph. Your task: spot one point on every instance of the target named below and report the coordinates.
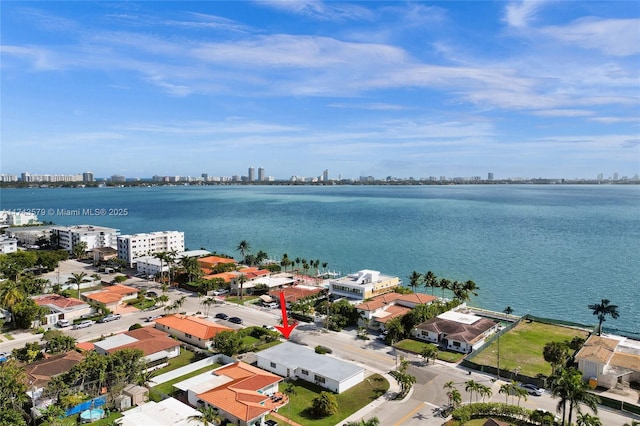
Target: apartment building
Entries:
(363, 285)
(94, 236)
(131, 247)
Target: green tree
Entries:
(373, 421)
(430, 280)
(79, 250)
(228, 342)
(78, 278)
(13, 386)
(324, 405)
(240, 281)
(484, 391)
(588, 420)
(58, 342)
(602, 310)
(191, 267)
(10, 294)
(207, 416)
(26, 312)
(429, 352)
(471, 386)
(244, 248)
(556, 354)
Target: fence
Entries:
(179, 372)
(87, 405)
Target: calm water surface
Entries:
(545, 250)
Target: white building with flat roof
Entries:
(131, 247)
(94, 236)
(363, 285)
(8, 245)
(11, 218)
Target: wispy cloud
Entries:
(518, 14)
(319, 10)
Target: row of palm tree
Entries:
(460, 290)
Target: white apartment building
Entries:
(93, 236)
(8, 245)
(363, 285)
(18, 218)
(131, 247)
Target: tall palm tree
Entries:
(162, 256)
(580, 394)
(602, 310)
(445, 284)
(241, 280)
(77, 279)
(430, 280)
(508, 310)
(244, 248)
(471, 386)
(588, 420)
(289, 390)
(484, 391)
(414, 280)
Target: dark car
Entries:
(152, 294)
(222, 316)
(235, 320)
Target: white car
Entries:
(63, 323)
(83, 324)
(220, 292)
(532, 389)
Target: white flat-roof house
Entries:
(93, 236)
(363, 285)
(291, 360)
(169, 411)
(131, 247)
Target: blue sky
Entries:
(520, 89)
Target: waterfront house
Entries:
(457, 331)
(299, 362)
(376, 312)
(193, 330)
(240, 392)
(363, 285)
(112, 296)
(613, 361)
(294, 294)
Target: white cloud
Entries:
(519, 14)
(319, 10)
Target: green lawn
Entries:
(349, 401)
(72, 420)
(522, 346)
(234, 299)
(416, 346)
(186, 357)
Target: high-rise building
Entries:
(325, 175)
(490, 176)
(615, 176)
(205, 177)
(87, 177)
(252, 174)
(261, 176)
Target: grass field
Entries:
(522, 347)
(349, 401)
(167, 387)
(416, 346)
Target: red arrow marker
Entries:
(285, 328)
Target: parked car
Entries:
(152, 294)
(83, 324)
(152, 318)
(220, 292)
(110, 317)
(269, 327)
(63, 323)
(4, 356)
(235, 320)
(532, 389)
(222, 316)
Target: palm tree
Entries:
(414, 280)
(162, 256)
(10, 294)
(445, 284)
(77, 279)
(455, 398)
(240, 281)
(484, 391)
(289, 390)
(603, 309)
(556, 354)
(373, 421)
(244, 248)
(568, 386)
(191, 267)
(588, 420)
(471, 386)
(506, 389)
(429, 352)
(508, 310)
(208, 416)
(430, 280)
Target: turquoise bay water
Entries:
(545, 250)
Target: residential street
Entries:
(420, 408)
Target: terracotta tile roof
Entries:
(85, 346)
(150, 341)
(419, 298)
(598, 349)
(626, 360)
(57, 300)
(393, 312)
(293, 294)
(210, 261)
(111, 294)
(240, 397)
(494, 422)
(453, 330)
(252, 273)
(378, 302)
(226, 276)
(40, 372)
(197, 327)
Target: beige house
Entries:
(613, 361)
(61, 307)
(196, 331)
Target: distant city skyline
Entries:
(404, 89)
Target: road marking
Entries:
(405, 418)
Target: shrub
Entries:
(135, 327)
(323, 350)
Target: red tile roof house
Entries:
(456, 331)
(61, 307)
(379, 310)
(112, 296)
(193, 330)
(293, 294)
(240, 392)
(156, 346)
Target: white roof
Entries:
(272, 281)
(115, 342)
(202, 382)
(193, 253)
(459, 317)
(297, 356)
(167, 412)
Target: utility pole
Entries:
(498, 355)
